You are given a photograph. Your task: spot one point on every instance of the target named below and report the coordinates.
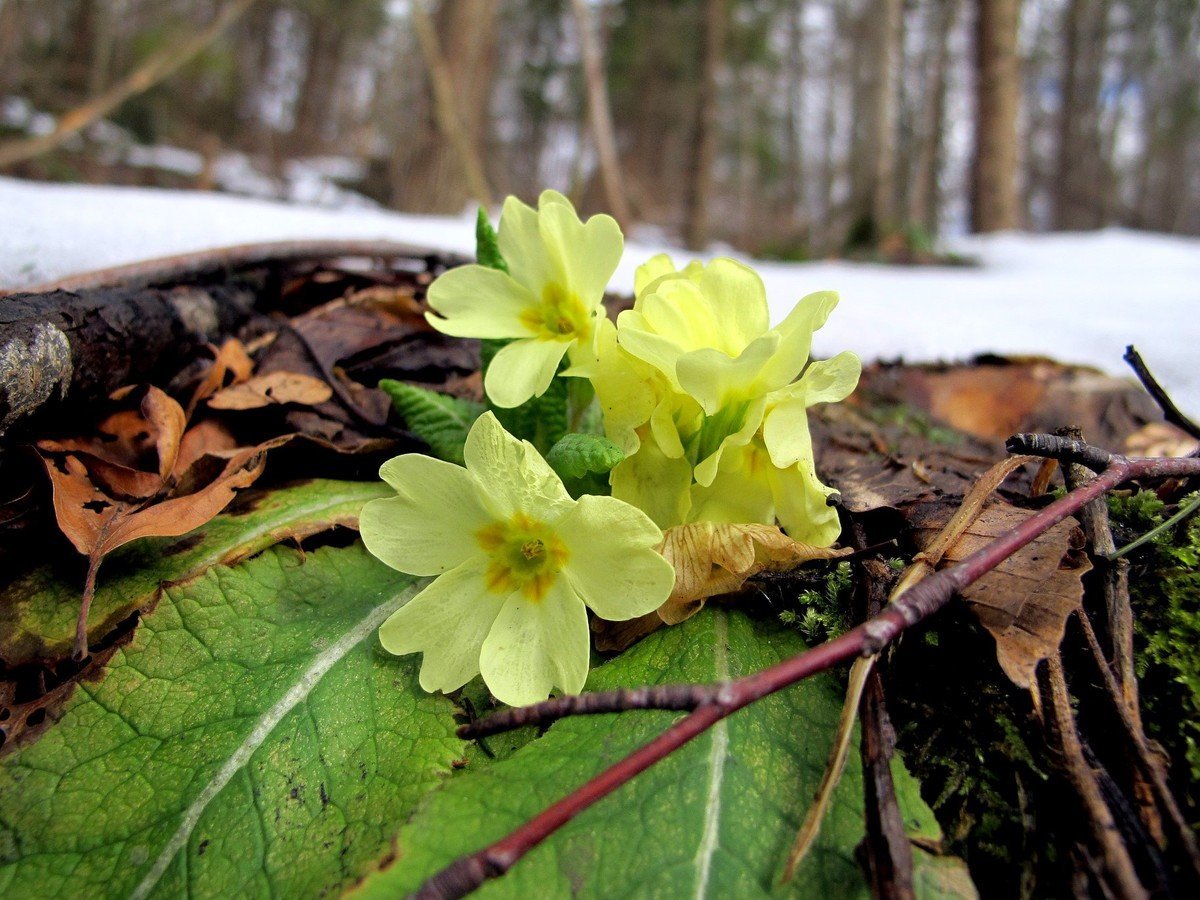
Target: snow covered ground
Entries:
(1075, 297)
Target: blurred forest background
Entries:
(786, 129)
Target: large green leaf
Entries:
(713, 820)
(251, 740)
(38, 609)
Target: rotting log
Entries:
(62, 347)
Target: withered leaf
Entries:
(718, 558)
(143, 476)
(231, 365)
(271, 389)
(1025, 601)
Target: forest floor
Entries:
(1077, 298)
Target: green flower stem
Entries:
(1184, 511)
(580, 396)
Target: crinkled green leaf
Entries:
(715, 819)
(440, 420)
(38, 609)
(487, 245)
(252, 741)
(577, 455)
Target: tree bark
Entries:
(62, 347)
(1079, 177)
(883, 187)
(599, 114)
(925, 200)
(997, 96)
(458, 52)
(704, 141)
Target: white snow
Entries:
(1076, 297)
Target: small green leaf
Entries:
(251, 741)
(440, 420)
(487, 246)
(714, 819)
(577, 455)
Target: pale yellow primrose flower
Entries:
(518, 562)
(549, 300)
(728, 413)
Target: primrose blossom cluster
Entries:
(706, 401)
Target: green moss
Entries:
(819, 610)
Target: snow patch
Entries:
(1079, 298)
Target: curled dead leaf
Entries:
(713, 558)
(143, 475)
(231, 365)
(272, 389)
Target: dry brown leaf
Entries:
(143, 475)
(1026, 600)
(718, 558)
(231, 365)
(272, 389)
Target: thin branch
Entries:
(1147, 761)
(154, 70)
(1066, 450)
(1114, 858)
(889, 850)
(1170, 411)
(1114, 577)
(469, 872)
(662, 696)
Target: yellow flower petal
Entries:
(831, 380)
(522, 370)
(587, 252)
(654, 483)
(535, 646)
(520, 242)
(796, 333)
(740, 491)
(738, 300)
(650, 271)
(448, 622)
(613, 564)
(512, 473)
(800, 504)
(717, 380)
(427, 528)
(478, 302)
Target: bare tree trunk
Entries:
(704, 144)
(322, 61)
(997, 93)
(12, 32)
(925, 199)
(154, 70)
(459, 55)
(883, 188)
(1079, 176)
(794, 194)
(599, 114)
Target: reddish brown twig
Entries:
(916, 604)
